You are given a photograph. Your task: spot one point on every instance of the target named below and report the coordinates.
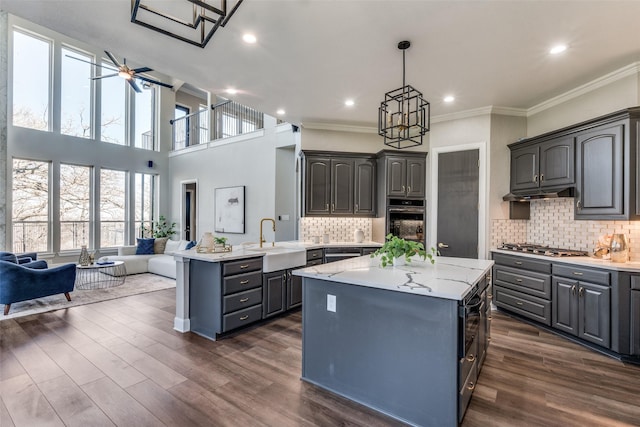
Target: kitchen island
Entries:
(406, 341)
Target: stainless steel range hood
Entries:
(547, 193)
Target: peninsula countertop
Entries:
(448, 278)
(585, 261)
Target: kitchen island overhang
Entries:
(389, 338)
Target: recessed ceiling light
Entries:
(349, 103)
(231, 91)
(449, 98)
(280, 112)
(558, 49)
(249, 38)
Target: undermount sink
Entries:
(280, 258)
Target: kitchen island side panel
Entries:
(205, 298)
(394, 352)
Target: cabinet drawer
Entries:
(240, 300)
(582, 274)
(312, 262)
(466, 391)
(529, 282)
(241, 282)
(241, 317)
(314, 254)
(468, 362)
(241, 266)
(367, 251)
(635, 282)
(523, 304)
(523, 262)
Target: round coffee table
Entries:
(100, 276)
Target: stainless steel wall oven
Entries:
(406, 219)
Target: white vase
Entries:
(207, 242)
(397, 262)
(358, 235)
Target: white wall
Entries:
(357, 142)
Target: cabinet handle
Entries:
(581, 292)
(357, 207)
(577, 273)
(535, 178)
(403, 188)
(518, 263)
(471, 358)
(408, 190)
(245, 317)
(471, 386)
(244, 282)
(490, 317)
(573, 290)
(519, 280)
(244, 299)
(243, 266)
(541, 177)
(519, 303)
(579, 205)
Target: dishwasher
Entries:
(337, 254)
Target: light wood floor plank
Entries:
(26, 404)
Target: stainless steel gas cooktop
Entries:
(541, 250)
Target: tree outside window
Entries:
(144, 191)
(30, 208)
(75, 206)
(75, 108)
(113, 207)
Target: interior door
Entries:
(458, 197)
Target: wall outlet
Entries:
(283, 217)
(331, 303)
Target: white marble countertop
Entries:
(449, 278)
(254, 250)
(585, 261)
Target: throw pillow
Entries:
(190, 245)
(159, 245)
(172, 246)
(145, 247)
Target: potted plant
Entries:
(395, 248)
(160, 228)
(220, 241)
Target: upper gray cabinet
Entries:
(543, 164)
(404, 174)
(340, 184)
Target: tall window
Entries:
(144, 116)
(113, 207)
(31, 78)
(30, 209)
(180, 128)
(75, 105)
(75, 206)
(113, 96)
(144, 192)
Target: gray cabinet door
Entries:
(599, 172)
(273, 293)
(365, 188)
(595, 313)
(524, 168)
(416, 171)
(557, 160)
(294, 290)
(635, 323)
(396, 176)
(318, 187)
(565, 305)
(342, 186)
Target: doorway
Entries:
(458, 203)
(189, 211)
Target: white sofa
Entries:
(161, 264)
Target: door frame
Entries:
(482, 193)
(183, 185)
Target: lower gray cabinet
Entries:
(294, 290)
(635, 322)
(274, 287)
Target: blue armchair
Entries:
(30, 280)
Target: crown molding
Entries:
(607, 79)
(482, 111)
(339, 127)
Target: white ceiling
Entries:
(313, 54)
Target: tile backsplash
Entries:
(339, 229)
(552, 224)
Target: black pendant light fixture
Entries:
(404, 116)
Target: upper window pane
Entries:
(113, 207)
(144, 202)
(144, 116)
(113, 106)
(30, 208)
(75, 206)
(31, 77)
(76, 94)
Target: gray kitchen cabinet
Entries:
(635, 322)
(274, 293)
(365, 187)
(543, 164)
(405, 175)
(582, 308)
(340, 184)
(294, 291)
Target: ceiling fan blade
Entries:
(113, 59)
(147, 79)
(103, 76)
(133, 84)
(92, 63)
(141, 70)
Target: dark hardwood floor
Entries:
(120, 363)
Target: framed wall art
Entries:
(229, 210)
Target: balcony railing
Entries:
(30, 236)
(227, 119)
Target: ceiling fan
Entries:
(127, 73)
